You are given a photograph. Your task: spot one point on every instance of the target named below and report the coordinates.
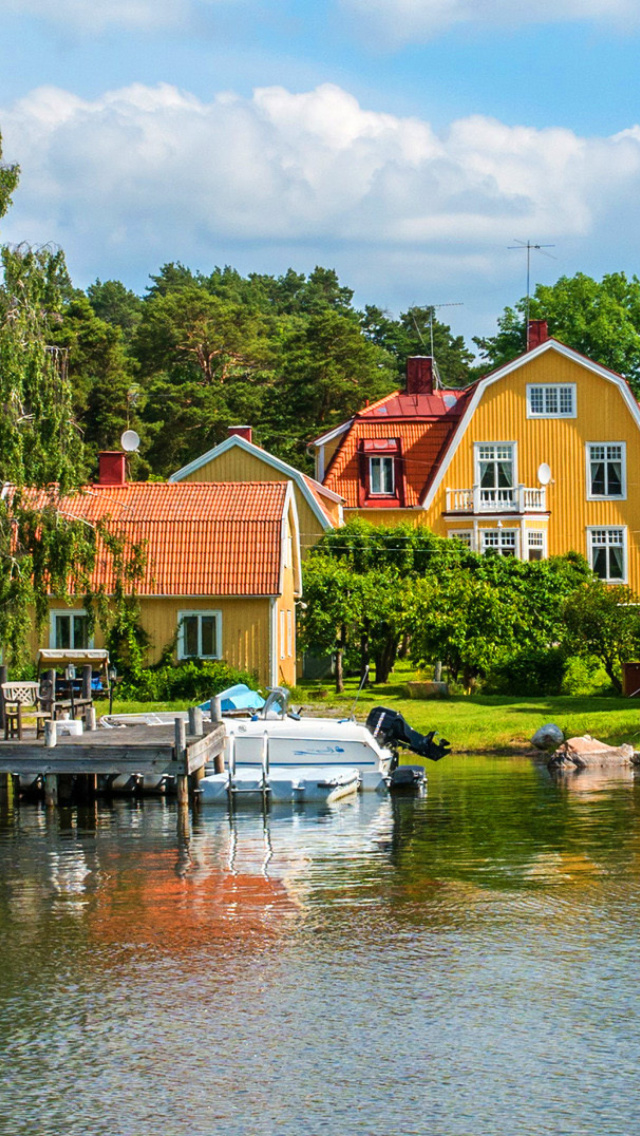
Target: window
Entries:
(495, 474)
(199, 634)
(70, 630)
(289, 633)
(606, 469)
(607, 553)
(535, 544)
(465, 536)
(282, 638)
(551, 400)
(381, 479)
(502, 541)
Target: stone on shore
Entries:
(548, 737)
(587, 752)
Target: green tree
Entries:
(9, 176)
(331, 594)
(41, 451)
(116, 305)
(412, 334)
(601, 319)
(603, 621)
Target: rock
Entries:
(428, 690)
(548, 737)
(588, 752)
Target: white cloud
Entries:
(94, 16)
(143, 175)
(399, 21)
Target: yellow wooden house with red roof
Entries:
(222, 571)
(540, 457)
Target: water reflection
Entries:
(377, 968)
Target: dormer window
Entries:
(381, 472)
(381, 478)
(551, 400)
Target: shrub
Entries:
(193, 680)
(534, 670)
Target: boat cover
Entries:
(238, 697)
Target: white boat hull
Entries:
(323, 784)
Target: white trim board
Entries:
(295, 475)
(514, 365)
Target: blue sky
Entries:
(407, 143)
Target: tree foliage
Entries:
(601, 319)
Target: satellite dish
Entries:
(130, 441)
(544, 473)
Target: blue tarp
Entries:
(239, 697)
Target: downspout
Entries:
(273, 641)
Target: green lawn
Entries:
(473, 724)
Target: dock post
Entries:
(215, 712)
(86, 680)
(90, 719)
(182, 780)
(4, 677)
(195, 721)
(51, 789)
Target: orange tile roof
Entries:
(202, 539)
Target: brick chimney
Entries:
(538, 333)
(420, 374)
(112, 467)
(241, 432)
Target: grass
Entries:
(474, 723)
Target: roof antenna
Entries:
(528, 245)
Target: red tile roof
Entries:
(202, 539)
(424, 425)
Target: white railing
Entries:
(519, 499)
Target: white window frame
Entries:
(591, 530)
(607, 496)
(382, 492)
(283, 642)
(542, 544)
(513, 490)
(289, 633)
(465, 536)
(199, 612)
(500, 532)
(553, 386)
(67, 612)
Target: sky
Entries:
(405, 143)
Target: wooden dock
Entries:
(127, 750)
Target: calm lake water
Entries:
(459, 965)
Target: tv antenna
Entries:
(529, 245)
(432, 309)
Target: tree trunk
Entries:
(385, 658)
(340, 645)
(364, 657)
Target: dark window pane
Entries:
(600, 562)
(597, 479)
(615, 564)
(80, 632)
(63, 631)
(615, 479)
(190, 632)
(208, 632)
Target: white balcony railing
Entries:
(519, 499)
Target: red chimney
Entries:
(538, 333)
(112, 467)
(420, 374)
(241, 432)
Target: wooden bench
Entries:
(23, 699)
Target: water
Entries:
(462, 965)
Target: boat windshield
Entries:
(277, 704)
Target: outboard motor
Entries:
(391, 730)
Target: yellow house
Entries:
(222, 571)
(238, 458)
(536, 459)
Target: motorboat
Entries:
(278, 754)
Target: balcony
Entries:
(519, 499)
